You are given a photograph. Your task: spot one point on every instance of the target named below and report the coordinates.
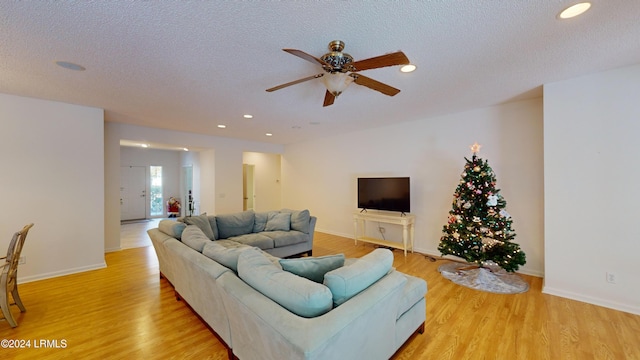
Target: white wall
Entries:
(591, 140)
(267, 173)
(220, 169)
(52, 175)
(192, 159)
(170, 162)
(321, 175)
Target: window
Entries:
(156, 191)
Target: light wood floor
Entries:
(126, 312)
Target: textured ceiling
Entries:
(191, 65)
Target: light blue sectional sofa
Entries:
(264, 307)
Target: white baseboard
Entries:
(112, 249)
(592, 300)
(433, 253)
(54, 274)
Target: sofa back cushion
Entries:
(172, 228)
(194, 237)
(299, 219)
(277, 221)
(313, 268)
(224, 255)
(201, 221)
(348, 281)
(235, 224)
(299, 295)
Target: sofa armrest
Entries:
(312, 225)
(363, 327)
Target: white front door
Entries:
(133, 196)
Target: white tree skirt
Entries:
(491, 278)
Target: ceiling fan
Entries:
(340, 70)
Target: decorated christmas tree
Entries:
(479, 228)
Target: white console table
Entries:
(406, 221)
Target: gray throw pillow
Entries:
(299, 219)
(260, 221)
(214, 226)
(313, 268)
(278, 222)
(202, 222)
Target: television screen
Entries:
(389, 193)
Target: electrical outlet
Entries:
(611, 278)
(381, 229)
(22, 260)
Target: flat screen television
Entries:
(384, 193)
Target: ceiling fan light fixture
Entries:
(574, 10)
(336, 82)
(408, 68)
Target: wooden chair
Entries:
(8, 280)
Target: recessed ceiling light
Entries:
(408, 68)
(574, 10)
(70, 66)
(247, 116)
(185, 149)
(222, 126)
(269, 134)
(144, 145)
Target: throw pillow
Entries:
(313, 268)
(260, 221)
(299, 219)
(194, 238)
(348, 281)
(214, 226)
(300, 296)
(202, 222)
(235, 224)
(278, 222)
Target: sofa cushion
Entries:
(414, 290)
(313, 268)
(235, 224)
(194, 237)
(278, 222)
(214, 226)
(172, 228)
(299, 219)
(348, 281)
(258, 240)
(301, 296)
(284, 238)
(260, 221)
(225, 255)
(202, 222)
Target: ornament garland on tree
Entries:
(479, 228)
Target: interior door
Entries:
(248, 187)
(133, 193)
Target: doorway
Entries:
(133, 193)
(248, 187)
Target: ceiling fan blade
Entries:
(396, 58)
(374, 84)
(329, 98)
(304, 55)
(295, 82)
